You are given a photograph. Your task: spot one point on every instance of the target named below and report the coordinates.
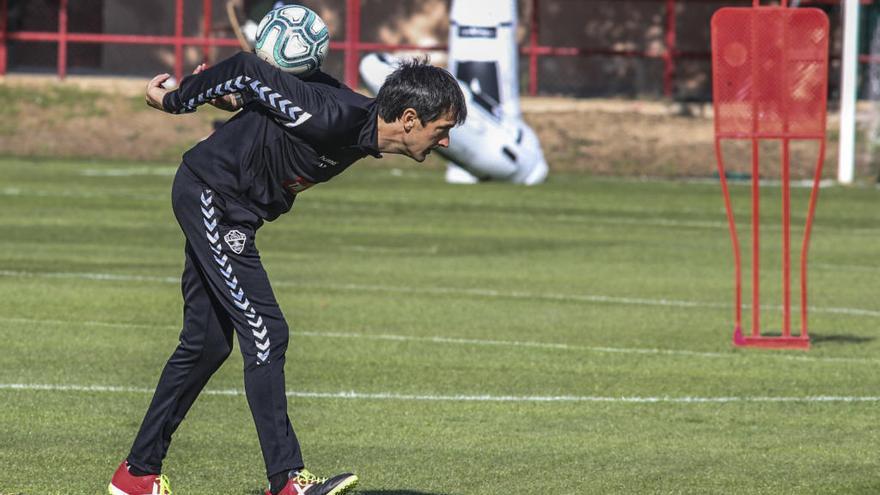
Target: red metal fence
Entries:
(352, 46)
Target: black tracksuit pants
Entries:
(225, 291)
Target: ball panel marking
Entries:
(317, 26)
(293, 14)
(263, 23)
(295, 47)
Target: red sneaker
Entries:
(125, 483)
(306, 483)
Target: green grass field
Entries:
(570, 338)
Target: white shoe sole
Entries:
(116, 491)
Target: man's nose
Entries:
(444, 142)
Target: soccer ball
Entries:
(294, 39)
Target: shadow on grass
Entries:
(819, 339)
(840, 339)
(370, 492)
(395, 492)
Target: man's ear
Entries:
(409, 118)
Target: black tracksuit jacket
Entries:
(291, 134)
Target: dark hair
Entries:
(430, 90)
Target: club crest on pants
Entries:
(235, 240)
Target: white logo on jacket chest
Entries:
(235, 240)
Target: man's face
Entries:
(421, 139)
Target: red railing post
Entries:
(533, 49)
(669, 56)
(178, 40)
(4, 12)
(352, 42)
(352, 45)
(206, 29)
(62, 39)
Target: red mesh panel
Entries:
(770, 69)
(770, 78)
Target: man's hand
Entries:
(155, 91)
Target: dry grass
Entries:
(106, 118)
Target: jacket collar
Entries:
(368, 140)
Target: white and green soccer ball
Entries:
(294, 39)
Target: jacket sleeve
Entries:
(287, 97)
